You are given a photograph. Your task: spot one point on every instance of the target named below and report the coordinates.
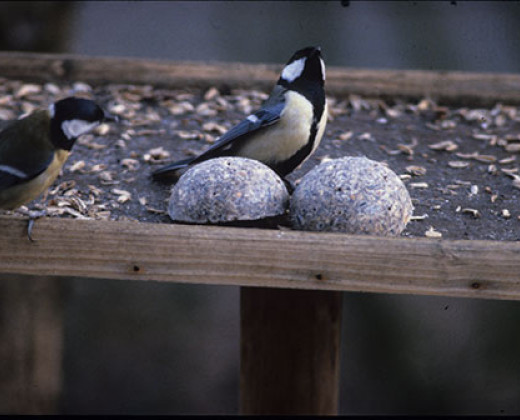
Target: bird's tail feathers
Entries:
(169, 170)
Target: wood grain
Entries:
(462, 88)
(31, 342)
(290, 351)
(255, 257)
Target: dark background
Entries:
(174, 349)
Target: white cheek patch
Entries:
(51, 110)
(13, 171)
(75, 128)
(294, 70)
(322, 69)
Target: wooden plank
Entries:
(290, 351)
(31, 341)
(446, 87)
(256, 257)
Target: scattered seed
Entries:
(27, 90)
(448, 124)
(52, 89)
(213, 126)
(510, 172)
(155, 211)
(507, 160)
(419, 218)
(102, 129)
(425, 105)
(81, 87)
(477, 156)
(513, 148)
(77, 166)
(211, 93)
(458, 164)
(366, 136)
(189, 135)
(484, 136)
(390, 152)
(393, 113)
(130, 164)
(408, 148)
(347, 135)
(516, 182)
(98, 167)
(432, 233)
(95, 190)
(181, 108)
(447, 145)
(155, 155)
(358, 103)
(512, 137)
(123, 196)
(474, 212)
(204, 110)
(419, 185)
(416, 170)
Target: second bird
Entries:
(33, 149)
(288, 127)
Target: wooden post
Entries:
(290, 351)
(31, 337)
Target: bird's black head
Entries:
(305, 67)
(71, 117)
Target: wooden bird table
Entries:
(291, 282)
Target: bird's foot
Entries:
(289, 185)
(33, 215)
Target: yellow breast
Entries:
(285, 138)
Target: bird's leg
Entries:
(33, 215)
(288, 185)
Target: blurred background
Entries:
(134, 348)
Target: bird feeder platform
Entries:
(452, 137)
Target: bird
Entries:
(34, 148)
(286, 129)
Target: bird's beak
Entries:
(111, 118)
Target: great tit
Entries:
(33, 149)
(288, 127)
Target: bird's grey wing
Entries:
(17, 164)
